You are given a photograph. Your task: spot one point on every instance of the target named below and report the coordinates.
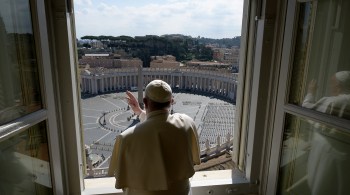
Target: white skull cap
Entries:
(343, 78)
(158, 91)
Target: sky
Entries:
(205, 18)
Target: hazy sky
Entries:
(205, 18)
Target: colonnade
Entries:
(217, 83)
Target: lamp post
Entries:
(104, 118)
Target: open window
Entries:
(284, 45)
(311, 136)
(202, 72)
(29, 136)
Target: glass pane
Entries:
(24, 163)
(315, 159)
(321, 69)
(19, 79)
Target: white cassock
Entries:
(156, 156)
(329, 159)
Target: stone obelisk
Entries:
(140, 86)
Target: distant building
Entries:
(121, 54)
(127, 63)
(97, 56)
(100, 80)
(207, 65)
(227, 55)
(109, 61)
(167, 61)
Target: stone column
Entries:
(120, 80)
(197, 82)
(228, 87)
(103, 84)
(110, 83)
(107, 83)
(123, 81)
(93, 85)
(82, 85)
(90, 85)
(87, 81)
(98, 85)
(140, 86)
(115, 83)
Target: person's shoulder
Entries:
(344, 96)
(128, 132)
(341, 99)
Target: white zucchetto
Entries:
(343, 78)
(158, 91)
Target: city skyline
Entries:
(206, 18)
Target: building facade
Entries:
(97, 81)
(167, 61)
(227, 55)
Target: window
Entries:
(312, 124)
(205, 90)
(28, 129)
(20, 87)
(25, 162)
(283, 50)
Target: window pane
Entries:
(24, 163)
(321, 70)
(315, 158)
(19, 79)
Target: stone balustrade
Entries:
(205, 154)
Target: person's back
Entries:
(329, 149)
(157, 155)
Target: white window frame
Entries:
(283, 107)
(48, 113)
(62, 44)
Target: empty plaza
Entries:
(106, 116)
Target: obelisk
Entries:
(140, 86)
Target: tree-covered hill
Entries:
(184, 48)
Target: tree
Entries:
(87, 45)
(89, 37)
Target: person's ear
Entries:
(145, 102)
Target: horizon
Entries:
(205, 18)
(80, 38)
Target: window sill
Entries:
(104, 185)
(202, 182)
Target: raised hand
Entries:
(133, 103)
(312, 88)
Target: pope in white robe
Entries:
(156, 156)
(329, 159)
